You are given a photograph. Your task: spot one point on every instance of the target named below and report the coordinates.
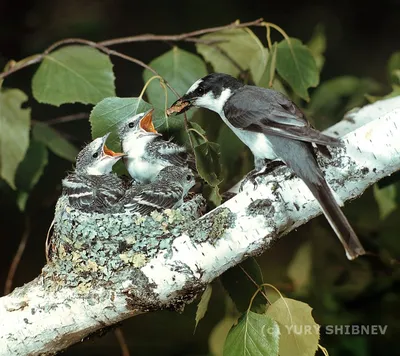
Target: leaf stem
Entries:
(276, 27)
(199, 133)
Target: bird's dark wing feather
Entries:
(143, 200)
(173, 153)
(93, 193)
(270, 112)
(79, 192)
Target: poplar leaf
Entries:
(72, 74)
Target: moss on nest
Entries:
(87, 248)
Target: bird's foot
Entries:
(252, 175)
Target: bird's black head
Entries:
(209, 92)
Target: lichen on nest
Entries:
(91, 247)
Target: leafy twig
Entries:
(188, 37)
(259, 288)
(17, 258)
(67, 118)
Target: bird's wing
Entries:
(171, 152)
(270, 112)
(144, 200)
(79, 191)
(108, 190)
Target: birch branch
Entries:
(106, 268)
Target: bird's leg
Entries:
(268, 167)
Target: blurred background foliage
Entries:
(353, 42)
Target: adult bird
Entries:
(167, 191)
(274, 129)
(92, 187)
(147, 153)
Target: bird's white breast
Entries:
(137, 164)
(258, 143)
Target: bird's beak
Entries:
(180, 106)
(146, 123)
(108, 152)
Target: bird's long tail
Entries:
(338, 221)
(313, 177)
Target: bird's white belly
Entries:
(143, 171)
(258, 143)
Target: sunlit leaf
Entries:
(74, 74)
(203, 305)
(317, 45)
(268, 77)
(235, 50)
(241, 282)
(299, 333)
(386, 199)
(14, 132)
(394, 68)
(54, 141)
(299, 269)
(218, 335)
(30, 170)
(255, 334)
(297, 66)
(180, 69)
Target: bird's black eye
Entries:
(200, 90)
(131, 125)
(95, 155)
(188, 177)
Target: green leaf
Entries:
(107, 115)
(218, 335)
(255, 334)
(74, 74)
(180, 69)
(240, 46)
(207, 162)
(203, 305)
(394, 68)
(299, 269)
(333, 98)
(207, 155)
(14, 132)
(299, 332)
(386, 199)
(317, 45)
(239, 281)
(30, 170)
(297, 66)
(268, 77)
(54, 141)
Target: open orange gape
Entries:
(111, 153)
(146, 123)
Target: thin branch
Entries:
(67, 118)
(17, 258)
(255, 283)
(188, 37)
(122, 342)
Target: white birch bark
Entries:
(133, 265)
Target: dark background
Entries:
(361, 37)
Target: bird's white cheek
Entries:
(103, 166)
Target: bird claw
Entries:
(267, 169)
(251, 177)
